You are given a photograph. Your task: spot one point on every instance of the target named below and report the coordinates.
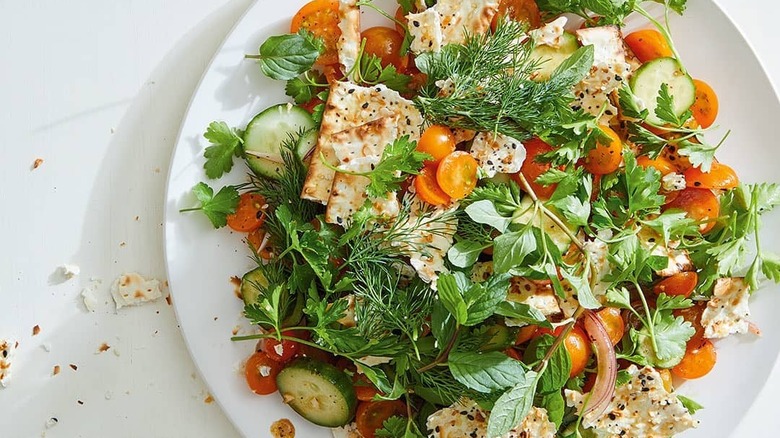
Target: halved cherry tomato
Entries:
(385, 43)
(532, 168)
(661, 164)
(612, 319)
(514, 354)
(364, 389)
(255, 238)
(250, 213)
(666, 378)
(284, 350)
(428, 189)
(699, 359)
(310, 105)
(371, 415)
(699, 204)
(525, 334)
(720, 177)
(518, 10)
(260, 373)
(648, 45)
(437, 141)
(321, 17)
(577, 345)
(315, 353)
(681, 283)
(457, 174)
(705, 107)
(605, 158)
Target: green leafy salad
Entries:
(487, 219)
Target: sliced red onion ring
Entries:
(604, 387)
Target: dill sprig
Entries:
(488, 86)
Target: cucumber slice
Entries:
(557, 235)
(266, 132)
(646, 84)
(319, 392)
(552, 57)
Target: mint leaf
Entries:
(522, 312)
(574, 69)
(284, 57)
(556, 374)
(623, 377)
(465, 253)
(482, 298)
(450, 296)
(484, 212)
(513, 406)
(555, 405)
(486, 372)
(215, 207)
(225, 144)
(512, 249)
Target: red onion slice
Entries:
(604, 387)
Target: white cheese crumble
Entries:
(7, 350)
(679, 260)
(465, 419)
(673, 182)
(640, 408)
(497, 153)
(448, 22)
(264, 370)
(348, 431)
(69, 271)
(132, 290)
(551, 34)
(539, 296)
(727, 311)
(279, 349)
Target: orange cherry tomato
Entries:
(532, 168)
(371, 415)
(577, 345)
(681, 283)
(699, 204)
(400, 16)
(666, 378)
(310, 105)
(720, 177)
(364, 389)
(437, 141)
(672, 155)
(385, 43)
(260, 373)
(661, 164)
(525, 334)
(612, 320)
(518, 10)
(705, 107)
(605, 158)
(428, 189)
(250, 213)
(255, 238)
(648, 45)
(699, 359)
(457, 174)
(321, 17)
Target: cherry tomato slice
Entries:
(681, 283)
(605, 158)
(705, 107)
(720, 177)
(661, 164)
(577, 345)
(699, 359)
(457, 174)
(321, 17)
(437, 141)
(385, 43)
(532, 168)
(364, 389)
(372, 415)
(648, 45)
(284, 350)
(518, 10)
(250, 213)
(260, 373)
(428, 189)
(699, 204)
(612, 319)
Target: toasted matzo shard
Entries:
(349, 106)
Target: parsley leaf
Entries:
(284, 57)
(303, 88)
(667, 348)
(556, 374)
(370, 71)
(400, 156)
(215, 207)
(642, 186)
(399, 427)
(630, 104)
(225, 143)
(485, 372)
(699, 153)
(665, 108)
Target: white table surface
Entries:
(97, 89)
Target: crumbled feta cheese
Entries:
(727, 311)
(7, 350)
(348, 431)
(69, 271)
(465, 419)
(673, 182)
(610, 69)
(448, 22)
(132, 290)
(279, 349)
(539, 296)
(88, 294)
(348, 44)
(264, 370)
(679, 260)
(551, 34)
(432, 239)
(349, 319)
(640, 408)
(498, 153)
(372, 361)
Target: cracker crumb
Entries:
(103, 348)
(209, 399)
(74, 367)
(51, 422)
(282, 428)
(36, 330)
(37, 163)
(56, 370)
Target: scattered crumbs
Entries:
(282, 428)
(157, 332)
(103, 348)
(37, 163)
(109, 395)
(69, 271)
(51, 422)
(116, 352)
(168, 299)
(236, 282)
(74, 367)
(56, 370)
(215, 318)
(157, 312)
(112, 130)
(80, 402)
(236, 329)
(122, 244)
(88, 294)
(156, 170)
(136, 218)
(193, 376)
(208, 400)
(36, 330)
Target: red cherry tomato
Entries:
(532, 168)
(284, 350)
(371, 415)
(699, 204)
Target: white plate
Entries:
(201, 261)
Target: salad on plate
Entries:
(488, 219)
